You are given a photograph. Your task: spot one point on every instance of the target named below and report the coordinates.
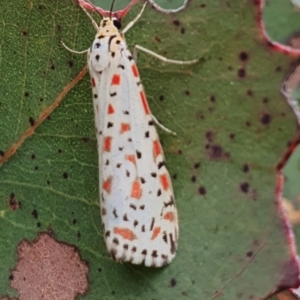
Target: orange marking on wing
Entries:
(124, 127)
(125, 233)
(164, 181)
(156, 149)
(93, 82)
(115, 79)
(107, 143)
(106, 185)
(144, 102)
(110, 109)
(134, 71)
(155, 232)
(136, 191)
(130, 158)
(169, 216)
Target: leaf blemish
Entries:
(31, 121)
(241, 73)
(265, 119)
(173, 282)
(243, 56)
(34, 213)
(176, 22)
(245, 168)
(244, 186)
(202, 190)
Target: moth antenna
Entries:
(95, 8)
(111, 8)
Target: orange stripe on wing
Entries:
(124, 127)
(125, 233)
(130, 158)
(107, 143)
(110, 109)
(144, 102)
(156, 149)
(115, 80)
(164, 181)
(106, 184)
(134, 71)
(169, 216)
(155, 232)
(136, 191)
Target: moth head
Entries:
(110, 22)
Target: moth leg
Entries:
(74, 51)
(162, 58)
(131, 23)
(162, 126)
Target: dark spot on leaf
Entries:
(193, 178)
(38, 224)
(36, 168)
(48, 182)
(59, 151)
(243, 56)
(265, 119)
(202, 190)
(157, 39)
(173, 282)
(265, 100)
(216, 151)
(161, 98)
(249, 253)
(278, 69)
(2, 153)
(13, 203)
(245, 168)
(196, 165)
(32, 156)
(176, 22)
(232, 136)
(212, 98)
(244, 187)
(11, 277)
(187, 92)
(202, 5)
(25, 33)
(174, 176)
(209, 136)
(70, 63)
(248, 124)
(241, 73)
(74, 221)
(34, 213)
(26, 94)
(41, 99)
(85, 139)
(52, 67)
(249, 93)
(65, 175)
(182, 30)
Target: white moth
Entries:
(138, 211)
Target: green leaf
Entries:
(232, 126)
